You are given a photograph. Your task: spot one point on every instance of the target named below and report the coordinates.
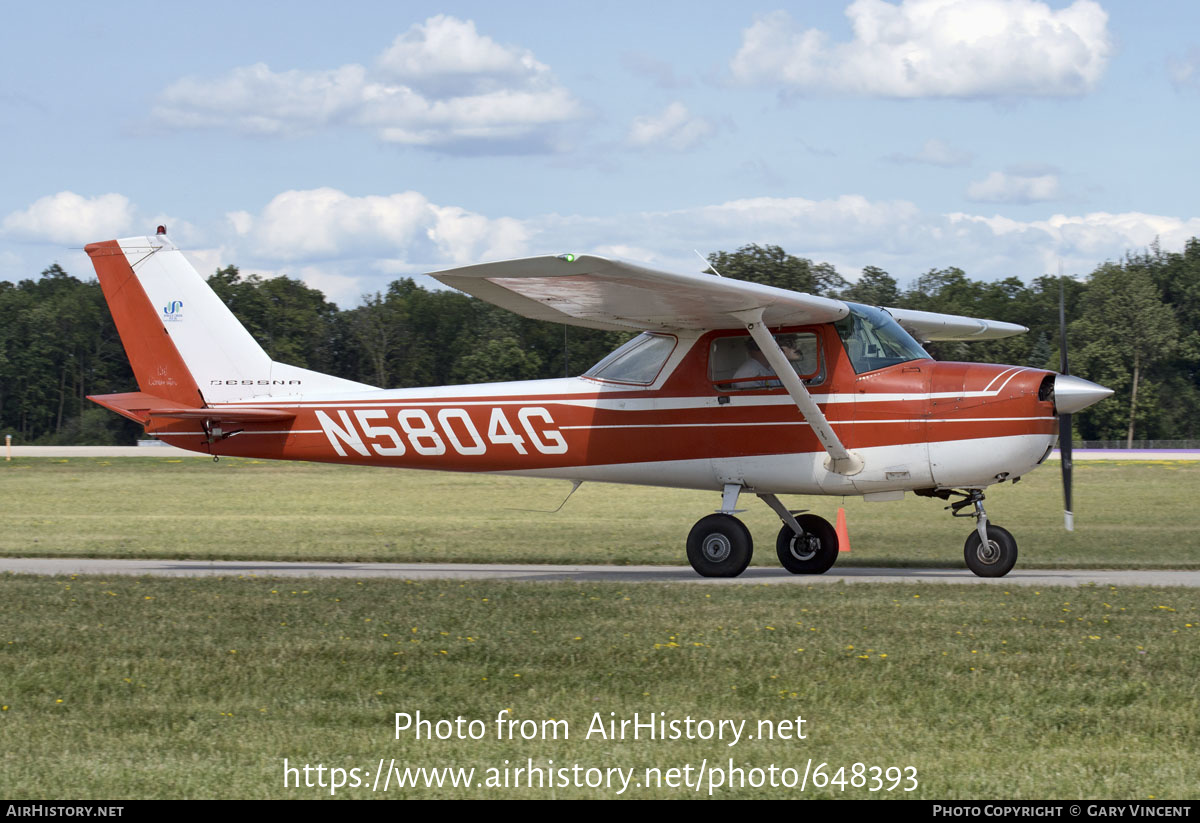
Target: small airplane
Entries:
(731, 387)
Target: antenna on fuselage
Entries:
(708, 263)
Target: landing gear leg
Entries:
(990, 551)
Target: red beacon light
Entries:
(162, 229)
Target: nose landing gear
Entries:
(990, 551)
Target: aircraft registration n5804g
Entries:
(731, 387)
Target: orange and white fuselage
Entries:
(921, 424)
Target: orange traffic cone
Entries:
(842, 534)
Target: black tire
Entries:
(719, 546)
(813, 553)
(997, 559)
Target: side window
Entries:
(638, 361)
(736, 364)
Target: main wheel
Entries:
(997, 558)
(719, 546)
(814, 552)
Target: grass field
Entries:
(1128, 515)
(149, 687)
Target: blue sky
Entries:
(350, 145)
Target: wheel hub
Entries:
(716, 548)
(988, 553)
(805, 548)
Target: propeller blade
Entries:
(1064, 449)
(1065, 445)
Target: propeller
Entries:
(1065, 445)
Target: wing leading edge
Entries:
(928, 325)
(599, 293)
(608, 294)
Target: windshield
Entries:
(874, 340)
(638, 361)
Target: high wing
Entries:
(598, 293)
(608, 294)
(927, 325)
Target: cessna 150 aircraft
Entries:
(731, 387)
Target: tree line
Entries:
(1133, 325)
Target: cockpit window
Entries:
(736, 364)
(874, 340)
(638, 361)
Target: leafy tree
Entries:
(380, 328)
(772, 266)
(1127, 330)
(293, 322)
(875, 288)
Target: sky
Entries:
(351, 144)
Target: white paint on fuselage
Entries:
(950, 464)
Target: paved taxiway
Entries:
(583, 574)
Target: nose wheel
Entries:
(994, 558)
(990, 551)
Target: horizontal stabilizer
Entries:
(224, 415)
(135, 405)
(142, 408)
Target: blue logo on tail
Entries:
(173, 310)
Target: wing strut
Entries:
(840, 460)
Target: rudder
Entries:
(183, 342)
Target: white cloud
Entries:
(1002, 187)
(1185, 71)
(440, 84)
(935, 153)
(673, 128)
(327, 224)
(255, 100)
(343, 289)
(448, 57)
(934, 48)
(68, 218)
(465, 237)
(346, 245)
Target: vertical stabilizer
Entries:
(184, 343)
(157, 364)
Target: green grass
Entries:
(1129, 515)
(122, 688)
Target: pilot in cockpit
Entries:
(756, 365)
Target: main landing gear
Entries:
(720, 545)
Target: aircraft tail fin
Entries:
(184, 344)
